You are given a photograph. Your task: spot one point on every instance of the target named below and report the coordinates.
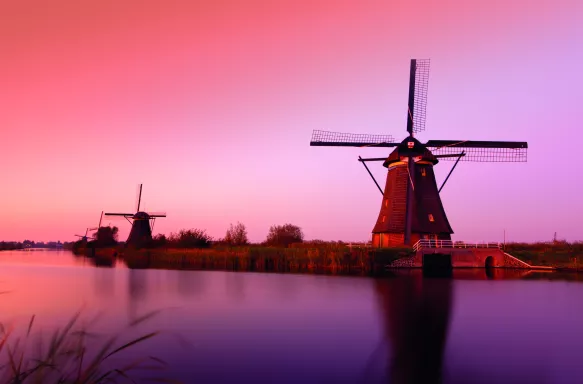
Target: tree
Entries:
(236, 235)
(284, 235)
(106, 236)
(191, 238)
(158, 241)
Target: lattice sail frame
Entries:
(420, 97)
(350, 138)
(482, 155)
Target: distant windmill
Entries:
(94, 237)
(84, 237)
(411, 208)
(142, 224)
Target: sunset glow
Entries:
(211, 105)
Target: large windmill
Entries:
(411, 208)
(142, 223)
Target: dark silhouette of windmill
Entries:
(411, 208)
(85, 237)
(142, 223)
(98, 226)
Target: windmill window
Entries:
(384, 217)
(386, 202)
(423, 173)
(431, 218)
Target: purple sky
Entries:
(211, 105)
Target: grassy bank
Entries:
(310, 258)
(559, 254)
(323, 259)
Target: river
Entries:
(235, 327)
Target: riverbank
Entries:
(325, 259)
(559, 254)
(309, 258)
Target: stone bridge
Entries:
(459, 255)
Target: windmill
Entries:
(411, 208)
(94, 237)
(142, 223)
(85, 237)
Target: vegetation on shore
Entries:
(71, 356)
(285, 249)
(10, 245)
(329, 258)
(558, 254)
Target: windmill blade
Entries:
(417, 103)
(339, 139)
(101, 218)
(139, 200)
(480, 151)
(157, 214)
(119, 214)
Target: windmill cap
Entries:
(410, 147)
(141, 216)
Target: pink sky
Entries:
(211, 105)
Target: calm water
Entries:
(221, 327)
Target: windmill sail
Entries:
(480, 151)
(418, 86)
(340, 139)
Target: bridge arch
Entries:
(489, 263)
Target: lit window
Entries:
(423, 172)
(384, 217)
(386, 202)
(431, 217)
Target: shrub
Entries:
(236, 235)
(158, 241)
(284, 235)
(106, 236)
(191, 238)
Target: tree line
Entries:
(11, 245)
(236, 235)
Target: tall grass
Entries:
(559, 254)
(334, 259)
(67, 357)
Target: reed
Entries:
(559, 254)
(333, 259)
(67, 358)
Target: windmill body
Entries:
(141, 231)
(428, 216)
(142, 224)
(411, 207)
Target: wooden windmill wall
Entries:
(428, 217)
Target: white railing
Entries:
(427, 243)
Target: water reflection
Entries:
(97, 261)
(235, 286)
(246, 327)
(489, 274)
(137, 289)
(190, 283)
(415, 315)
(104, 281)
